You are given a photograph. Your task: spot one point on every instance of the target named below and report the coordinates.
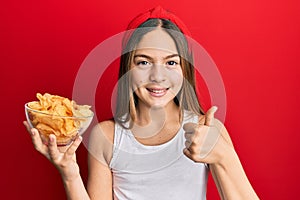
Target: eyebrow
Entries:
(148, 57)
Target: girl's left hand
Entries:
(207, 141)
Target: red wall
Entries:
(255, 44)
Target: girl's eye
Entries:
(141, 63)
(172, 63)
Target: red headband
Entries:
(157, 12)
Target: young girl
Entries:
(160, 144)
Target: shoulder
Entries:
(101, 141)
(105, 128)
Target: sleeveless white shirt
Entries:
(162, 172)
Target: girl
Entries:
(160, 144)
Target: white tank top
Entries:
(162, 172)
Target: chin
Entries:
(162, 104)
(158, 106)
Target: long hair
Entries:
(186, 98)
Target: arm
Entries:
(75, 189)
(64, 159)
(100, 153)
(99, 184)
(232, 180)
(228, 173)
(210, 143)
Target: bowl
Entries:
(65, 128)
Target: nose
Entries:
(158, 73)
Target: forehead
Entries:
(159, 40)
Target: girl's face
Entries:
(156, 72)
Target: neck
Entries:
(156, 123)
(147, 115)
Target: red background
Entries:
(255, 44)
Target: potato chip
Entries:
(46, 130)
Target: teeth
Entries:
(156, 91)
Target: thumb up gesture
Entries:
(208, 140)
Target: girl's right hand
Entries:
(64, 158)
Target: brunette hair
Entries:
(186, 98)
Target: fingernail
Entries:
(51, 138)
(32, 132)
(79, 139)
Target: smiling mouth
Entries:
(157, 91)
